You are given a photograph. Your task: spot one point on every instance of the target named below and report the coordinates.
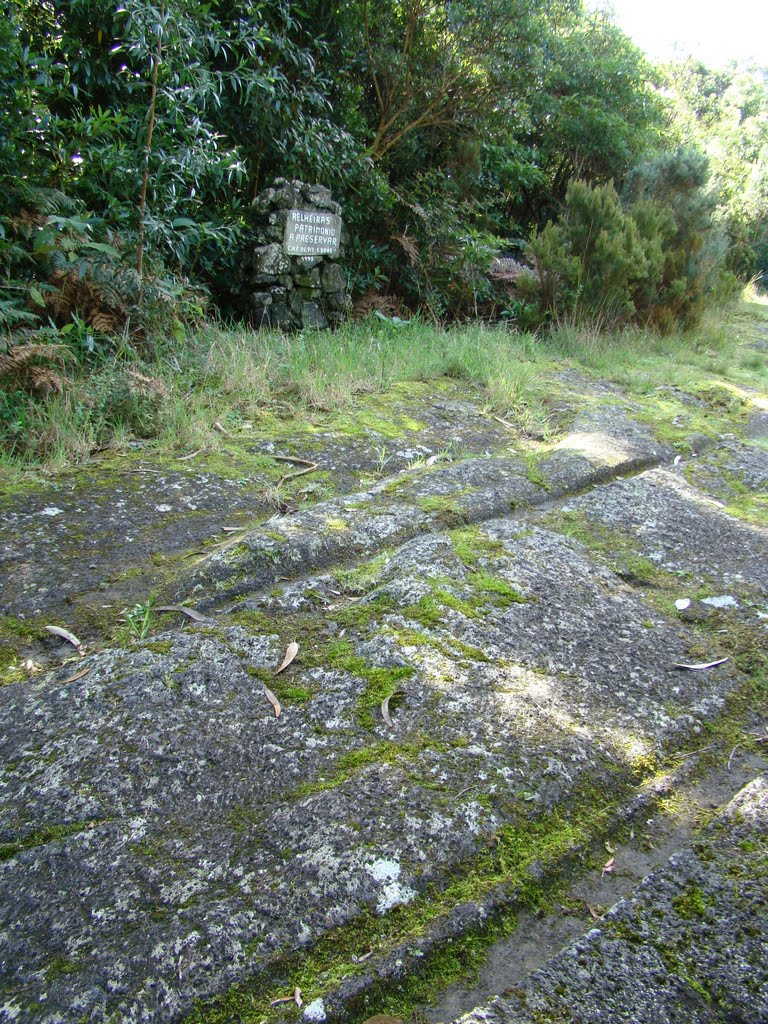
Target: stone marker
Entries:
(293, 279)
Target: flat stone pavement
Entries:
(489, 686)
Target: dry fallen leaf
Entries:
(273, 701)
(704, 664)
(283, 999)
(76, 676)
(385, 707)
(610, 848)
(504, 423)
(363, 958)
(189, 612)
(65, 635)
(233, 529)
(297, 996)
(431, 460)
(609, 866)
(593, 913)
(290, 653)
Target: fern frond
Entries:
(408, 244)
(12, 316)
(19, 356)
(373, 302)
(146, 385)
(42, 378)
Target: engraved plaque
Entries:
(312, 233)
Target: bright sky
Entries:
(714, 31)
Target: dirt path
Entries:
(486, 708)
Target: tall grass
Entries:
(227, 375)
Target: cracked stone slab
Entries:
(87, 537)
(689, 945)
(165, 836)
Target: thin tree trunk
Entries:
(148, 150)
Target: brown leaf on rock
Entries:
(297, 996)
(609, 866)
(385, 707)
(290, 653)
(273, 701)
(703, 664)
(76, 676)
(65, 635)
(189, 612)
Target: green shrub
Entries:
(124, 399)
(594, 261)
(668, 196)
(654, 259)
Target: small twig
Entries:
(505, 423)
(299, 472)
(732, 753)
(699, 750)
(467, 790)
(363, 958)
(186, 458)
(292, 458)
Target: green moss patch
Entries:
(379, 682)
(42, 835)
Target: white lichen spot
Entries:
(315, 1010)
(393, 892)
(52, 511)
(163, 508)
(723, 601)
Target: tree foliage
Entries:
(134, 134)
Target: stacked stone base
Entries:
(292, 292)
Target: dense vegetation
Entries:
(133, 136)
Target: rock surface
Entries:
(487, 684)
(691, 944)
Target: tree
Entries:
(725, 113)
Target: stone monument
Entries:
(294, 278)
